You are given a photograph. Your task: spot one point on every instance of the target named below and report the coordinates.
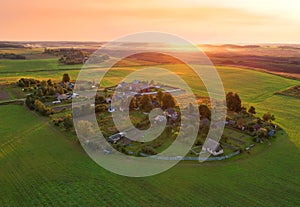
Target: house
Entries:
(111, 109)
(63, 97)
(108, 100)
(213, 147)
(122, 84)
(74, 95)
(241, 123)
(122, 108)
(116, 137)
(232, 122)
(271, 133)
(159, 119)
(56, 102)
(256, 127)
(70, 85)
(171, 113)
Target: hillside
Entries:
(41, 165)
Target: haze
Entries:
(200, 21)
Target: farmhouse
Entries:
(170, 112)
(116, 137)
(213, 147)
(111, 109)
(159, 119)
(62, 97)
(108, 100)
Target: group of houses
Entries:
(139, 88)
(242, 125)
(64, 97)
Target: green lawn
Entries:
(39, 166)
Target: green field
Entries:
(39, 165)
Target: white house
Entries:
(213, 147)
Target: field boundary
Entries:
(190, 158)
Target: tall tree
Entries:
(268, 117)
(145, 103)
(66, 78)
(204, 112)
(234, 102)
(168, 101)
(159, 96)
(252, 110)
(68, 121)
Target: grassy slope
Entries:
(12, 70)
(40, 167)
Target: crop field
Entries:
(39, 165)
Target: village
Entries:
(243, 130)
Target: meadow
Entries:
(40, 165)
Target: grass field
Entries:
(40, 166)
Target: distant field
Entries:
(255, 88)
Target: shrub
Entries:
(148, 150)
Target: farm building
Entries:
(63, 97)
(213, 147)
(111, 109)
(108, 100)
(116, 137)
(170, 112)
(159, 119)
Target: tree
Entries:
(30, 102)
(262, 133)
(204, 112)
(60, 90)
(132, 104)
(51, 90)
(168, 101)
(99, 99)
(159, 96)
(68, 121)
(145, 103)
(100, 108)
(234, 102)
(85, 128)
(41, 108)
(148, 150)
(66, 78)
(40, 93)
(268, 117)
(252, 110)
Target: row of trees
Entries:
(164, 100)
(34, 104)
(12, 56)
(45, 88)
(234, 103)
(65, 121)
(27, 82)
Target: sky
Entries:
(199, 21)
